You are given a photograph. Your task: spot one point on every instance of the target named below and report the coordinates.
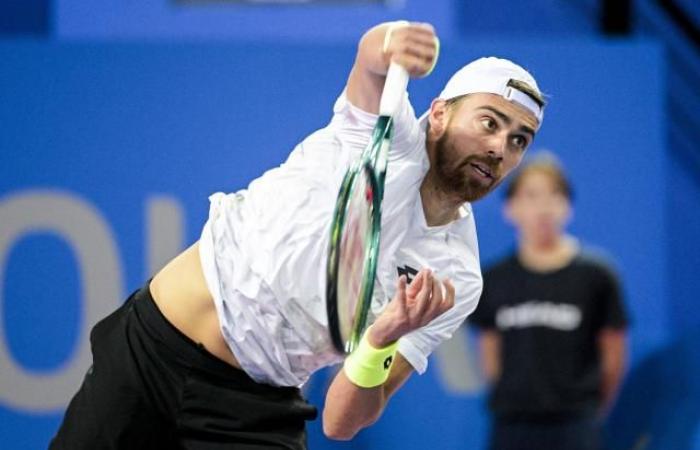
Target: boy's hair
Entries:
(543, 162)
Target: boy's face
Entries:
(538, 207)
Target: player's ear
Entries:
(438, 117)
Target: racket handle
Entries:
(394, 89)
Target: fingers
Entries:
(416, 284)
(422, 299)
(448, 300)
(415, 305)
(434, 298)
(412, 45)
(401, 293)
(420, 46)
(414, 65)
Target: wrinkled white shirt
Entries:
(264, 248)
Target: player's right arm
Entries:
(412, 45)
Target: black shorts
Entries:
(151, 387)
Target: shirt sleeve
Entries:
(612, 309)
(354, 127)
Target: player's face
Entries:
(538, 208)
(485, 139)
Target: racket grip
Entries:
(394, 89)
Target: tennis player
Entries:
(211, 352)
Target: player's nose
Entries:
(497, 145)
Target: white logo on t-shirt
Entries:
(560, 316)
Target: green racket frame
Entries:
(372, 164)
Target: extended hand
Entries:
(412, 307)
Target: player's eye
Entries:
(519, 142)
(488, 123)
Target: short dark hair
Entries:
(543, 162)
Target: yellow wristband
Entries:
(367, 366)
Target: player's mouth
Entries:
(482, 170)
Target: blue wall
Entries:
(108, 153)
(335, 21)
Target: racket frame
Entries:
(372, 163)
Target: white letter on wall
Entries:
(89, 236)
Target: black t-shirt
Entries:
(548, 323)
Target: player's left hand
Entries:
(412, 307)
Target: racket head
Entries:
(352, 257)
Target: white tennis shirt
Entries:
(263, 250)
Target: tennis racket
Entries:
(355, 230)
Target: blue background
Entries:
(115, 107)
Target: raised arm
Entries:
(350, 407)
(413, 45)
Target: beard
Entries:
(456, 176)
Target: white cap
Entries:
(492, 76)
